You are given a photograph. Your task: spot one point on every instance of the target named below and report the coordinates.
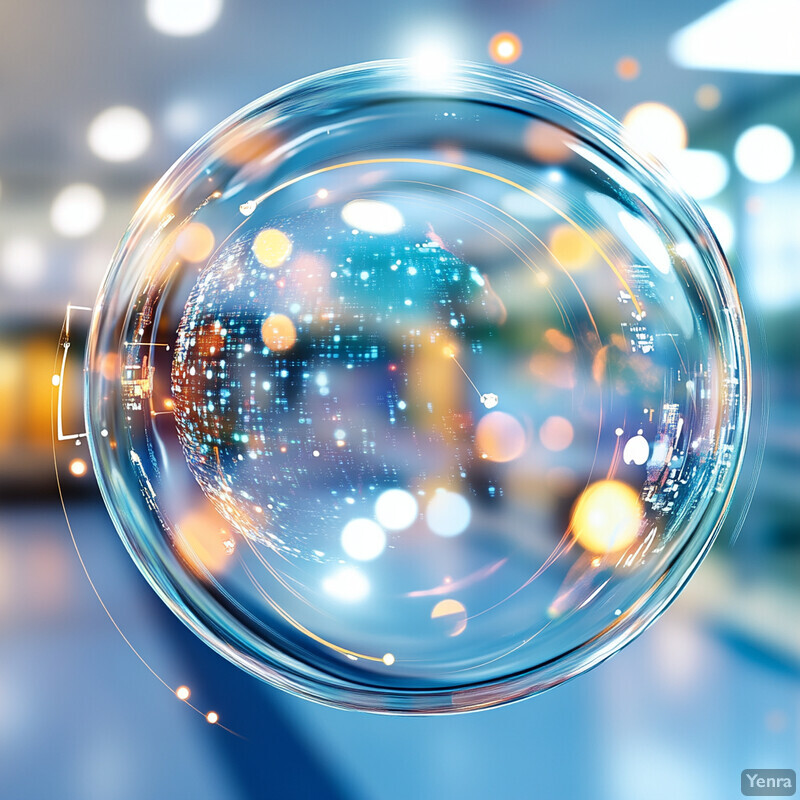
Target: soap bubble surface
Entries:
(421, 395)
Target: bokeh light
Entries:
(505, 48)
(425, 415)
(183, 17)
(607, 517)
(764, 153)
(77, 210)
(628, 68)
(120, 133)
(657, 128)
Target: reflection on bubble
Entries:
(417, 396)
(372, 216)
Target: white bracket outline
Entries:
(65, 437)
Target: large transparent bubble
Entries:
(417, 393)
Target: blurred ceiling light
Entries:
(372, 216)
(763, 153)
(722, 225)
(184, 119)
(702, 173)
(657, 128)
(77, 210)
(707, 97)
(432, 59)
(120, 133)
(627, 68)
(742, 36)
(505, 47)
(183, 17)
(23, 261)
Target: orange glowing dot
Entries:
(169, 403)
(278, 332)
(195, 242)
(212, 717)
(283, 449)
(628, 68)
(606, 517)
(707, 97)
(272, 247)
(556, 433)
(500, 437)
(77, 467)
(596, 561)
(572, 248)
(505, 47)
(182, 693)
(453, 613)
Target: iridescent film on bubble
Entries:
(417, 393)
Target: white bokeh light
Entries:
(183, 17)
(396, 509)
(764, 154)
(702, 173)
(119, 133)
(363, 539)
(22, 260)
(77, 210)
(448, 513)
(347, 584)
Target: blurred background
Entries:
(97, 100)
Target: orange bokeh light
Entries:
(278, 332)
(500, 437)
(505, 47)
(607, 517)
(628, 68)
(195, 242)
(556, 433)
(572, 248)
(272, 247)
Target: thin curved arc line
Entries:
(92, 583)
(476, 171)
